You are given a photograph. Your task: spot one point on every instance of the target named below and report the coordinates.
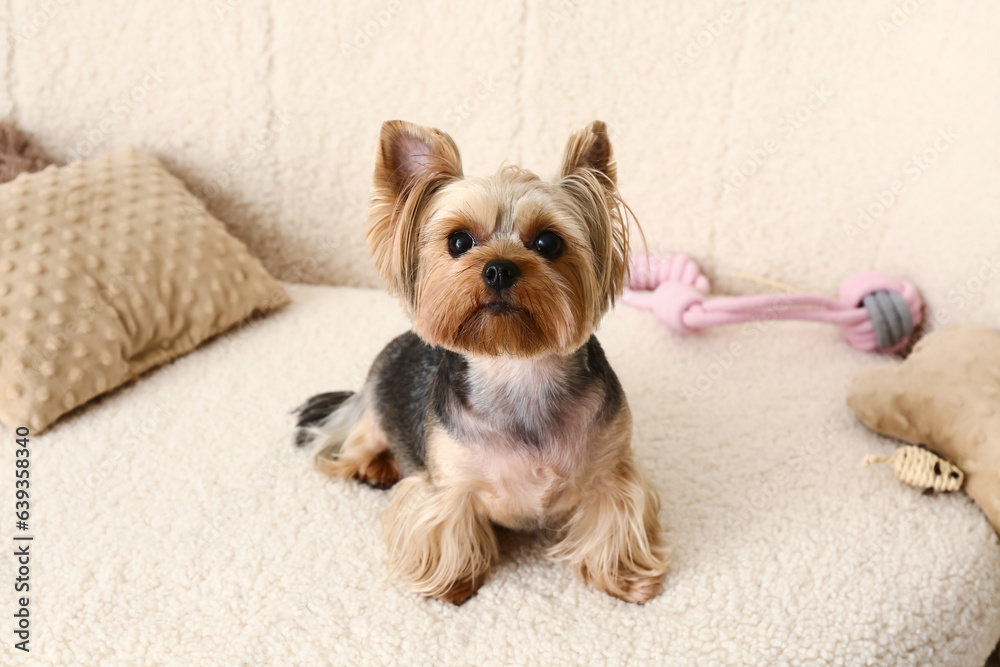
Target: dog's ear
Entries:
(590, 149)
(589, 174)
(411, 164)
(408, 152)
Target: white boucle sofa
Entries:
(175, 524)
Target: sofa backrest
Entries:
(800, 142)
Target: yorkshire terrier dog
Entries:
(500, 407)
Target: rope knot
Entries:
(893, 307)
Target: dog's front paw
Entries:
(458, 592)
(626, 585)
(639, 589)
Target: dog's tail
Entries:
(325, 421)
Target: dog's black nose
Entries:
(500, 274)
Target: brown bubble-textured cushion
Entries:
(109, 268)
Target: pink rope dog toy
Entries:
(878, 312)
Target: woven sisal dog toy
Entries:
(921, 468)
(878, 313)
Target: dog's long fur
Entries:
(500, 408)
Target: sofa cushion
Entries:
(109, 268)
(181, 526)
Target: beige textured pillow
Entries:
(107, 269)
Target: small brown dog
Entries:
(500, 407)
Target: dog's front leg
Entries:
(613, 538)
(438, 543)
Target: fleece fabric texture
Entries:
(176, 524)
(799, 142)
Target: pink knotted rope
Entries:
(877, 312)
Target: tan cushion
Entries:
(109, 268)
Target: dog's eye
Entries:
(460, 243)
(549, 245)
